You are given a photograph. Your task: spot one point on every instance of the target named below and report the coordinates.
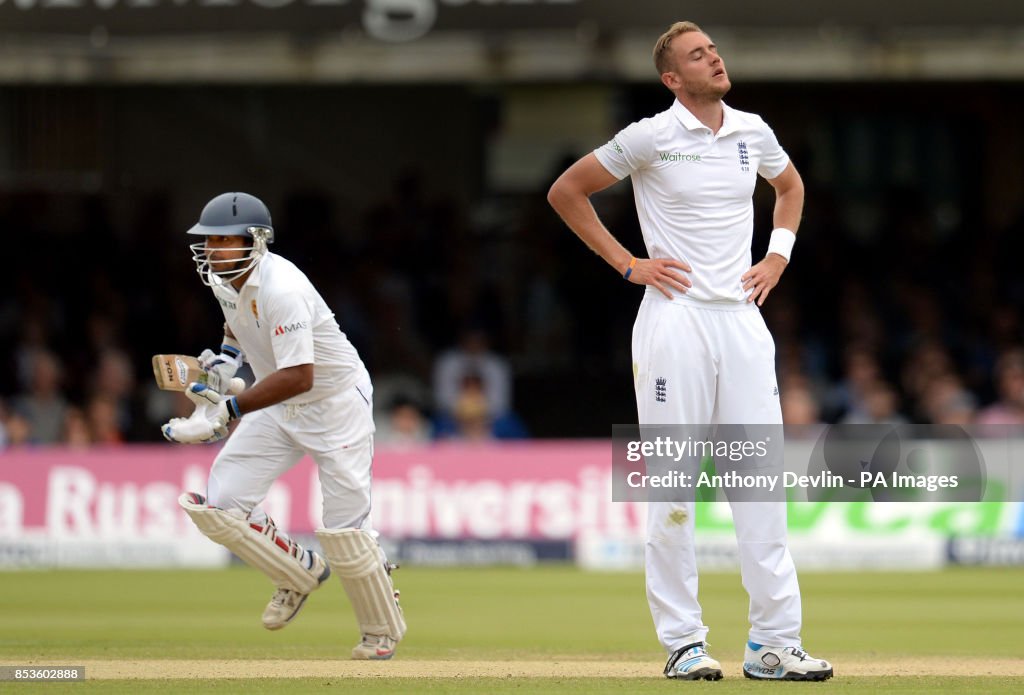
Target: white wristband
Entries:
(782, 242)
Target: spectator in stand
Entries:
(799, 406)
(472, 417)
(76, 429)
(473, 420)
(879, 406)
(1009, 409)
(947, 402)
(33, 337)
(104, 421)
(926, 365)
(404, 424)
(43, 406)
(860, 368)
(14, 429)
(110, 407)
(473, 357)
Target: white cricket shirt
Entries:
(694, 189)
(280, 320)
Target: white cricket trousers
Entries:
(717, 363)
(337, 432)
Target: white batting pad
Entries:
(357, 559)
(258, 546)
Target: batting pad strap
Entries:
(356, 558)
(257, 546)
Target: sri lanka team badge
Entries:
(255, 312)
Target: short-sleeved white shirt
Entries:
(280, 320)
(694, 188)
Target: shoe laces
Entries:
(283, 596)
(798, 652)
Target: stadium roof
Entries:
(497, 40)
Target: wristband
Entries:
(782, 242)
(230, 346)
(233, 412)
(629, 270)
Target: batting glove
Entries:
(208, 423)
(221, 368)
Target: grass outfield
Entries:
(502, 616)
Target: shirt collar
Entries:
(254, 278)
(730, 122)
(690, 122)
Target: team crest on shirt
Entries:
(661, 389)
(255, 313)
(744, 156)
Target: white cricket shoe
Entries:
(375, 647)
(285, 604)
(783, 663)
(693, 663)
(378, 647)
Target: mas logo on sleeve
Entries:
(283, 328)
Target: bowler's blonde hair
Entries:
(662, 59)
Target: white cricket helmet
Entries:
(231, 214)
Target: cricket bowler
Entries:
(701, 351)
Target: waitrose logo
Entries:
(678, 157)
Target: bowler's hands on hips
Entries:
(763, 277)
(661, 273)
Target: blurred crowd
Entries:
(493, 320)
(925, 384)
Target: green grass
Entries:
(498, 614)
(905, 685)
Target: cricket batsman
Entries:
(701, 351)
(313, 396)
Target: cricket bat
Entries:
(176, 372)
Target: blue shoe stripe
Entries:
(754, 645)
(685, 666)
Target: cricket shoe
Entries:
(693, 663)
(378, 647)
(375, 648)
(285, 604)
(783, 663)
